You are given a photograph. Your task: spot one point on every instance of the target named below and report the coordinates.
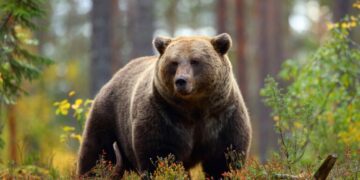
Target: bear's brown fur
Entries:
(185, 102)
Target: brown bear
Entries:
(184, 102)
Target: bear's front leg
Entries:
(215, 166)
(147, 160)
(152, 140)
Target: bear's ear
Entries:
(160, 43)
(221, 43)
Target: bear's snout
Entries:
(182, 85)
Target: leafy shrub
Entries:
(317, 113)
(79, 108)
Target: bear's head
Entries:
(192, 67)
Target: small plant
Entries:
(104, 169)
(80, 109)
(293, 122)
(234, 159)
(238, 169)
(167, 168)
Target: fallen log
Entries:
(321, 174)
(325, 167)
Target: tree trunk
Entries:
(141, 28)
(102, 44)
(270, 55)
(116, 44)
(221, 6)
(341, 8)
(240, 46)
(171, 18)
(11, 116)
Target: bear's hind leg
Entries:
(98, 141)
(93, 150)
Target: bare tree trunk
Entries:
(172, 17)
(102, 46)
(240, 46)
(11, 116)
(221, 6)
(270, 56)
(264, 121)
(142, 28)
(116, 50)
(341, 8)
(42, 34)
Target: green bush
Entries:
(317, 113)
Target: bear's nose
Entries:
(180, 82)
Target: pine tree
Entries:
(17, 62)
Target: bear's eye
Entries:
(194, 62)
(174, 63)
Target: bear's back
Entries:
(126, 81)
(134, 69)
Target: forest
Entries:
(297, 64)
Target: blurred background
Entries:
(89, 40)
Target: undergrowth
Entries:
(168, 168)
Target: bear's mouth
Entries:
(185, 91)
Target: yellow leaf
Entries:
(353, 24)
(331, 26)
(63, 138)
(77, 104)
(68, 128)
(76, 136)
(356, 5)
(298, 125)
(64, 107)
(344, 25)
(276, 118)
(71, 93)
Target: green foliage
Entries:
(103, 169)
(80, 109)
(17, 62)
(29, 170)
(167, 168)
(317, 113)
(292, 121)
